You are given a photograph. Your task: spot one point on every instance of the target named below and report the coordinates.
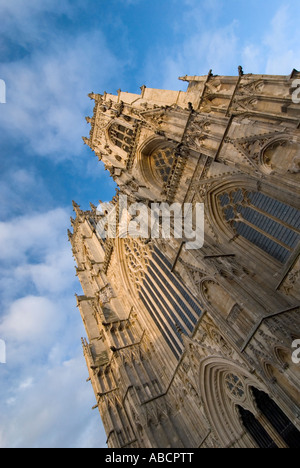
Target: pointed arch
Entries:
(224, 385)
(237, 404)
(251, 214)
(282, 156)
(156, 160)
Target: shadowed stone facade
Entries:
(193, 348)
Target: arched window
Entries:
(170, 305)
(281, 423)
(266, 222)
(121, 136)
(270, 428)
(161, 162)
(256, 430)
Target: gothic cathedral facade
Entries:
(193, 348)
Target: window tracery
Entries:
(161, 162)
(137, 260)
(234, 386)
(264, 221)
(121, 136)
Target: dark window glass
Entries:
(162, 161)
(285, 428)
(121, 137)
(256, 430)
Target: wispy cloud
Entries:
(51, 409)
(50, 61)
(47, 94)
(45, 364)
(282, 40)
(205, 40)
(25, 22)
(49, 64)
(18, 188)
(33, 254)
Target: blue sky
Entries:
(52, 54)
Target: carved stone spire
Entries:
(70, 235)
(76, 208)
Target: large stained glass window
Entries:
(266, 222)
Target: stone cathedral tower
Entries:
(194, 348)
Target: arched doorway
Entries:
(239, 409)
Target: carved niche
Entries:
(282, 156)
(291, 285)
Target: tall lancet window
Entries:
(122, 137)
(266, 222)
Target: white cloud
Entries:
(252, 58)
(36, 234)
(54, 275)
(17, 188)
(38, 279)
(47, 94)
(276, 52)
(197, 54)
(52, 410)
(23, 19)
(48, 80)
(45, 399)
(282, 40)
(208, 37)
(26, 383)
(29, 319)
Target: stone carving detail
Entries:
(179, 163)
(137, 256)
(211, 442)
(252, 88)
(291, 285)
(235, 386)
(195, 273)
(242, 104)
(282, 156)
(154, 118)
(106, 294)
(210, 336)
(198, 131)
(197, 187)
(251, 147)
